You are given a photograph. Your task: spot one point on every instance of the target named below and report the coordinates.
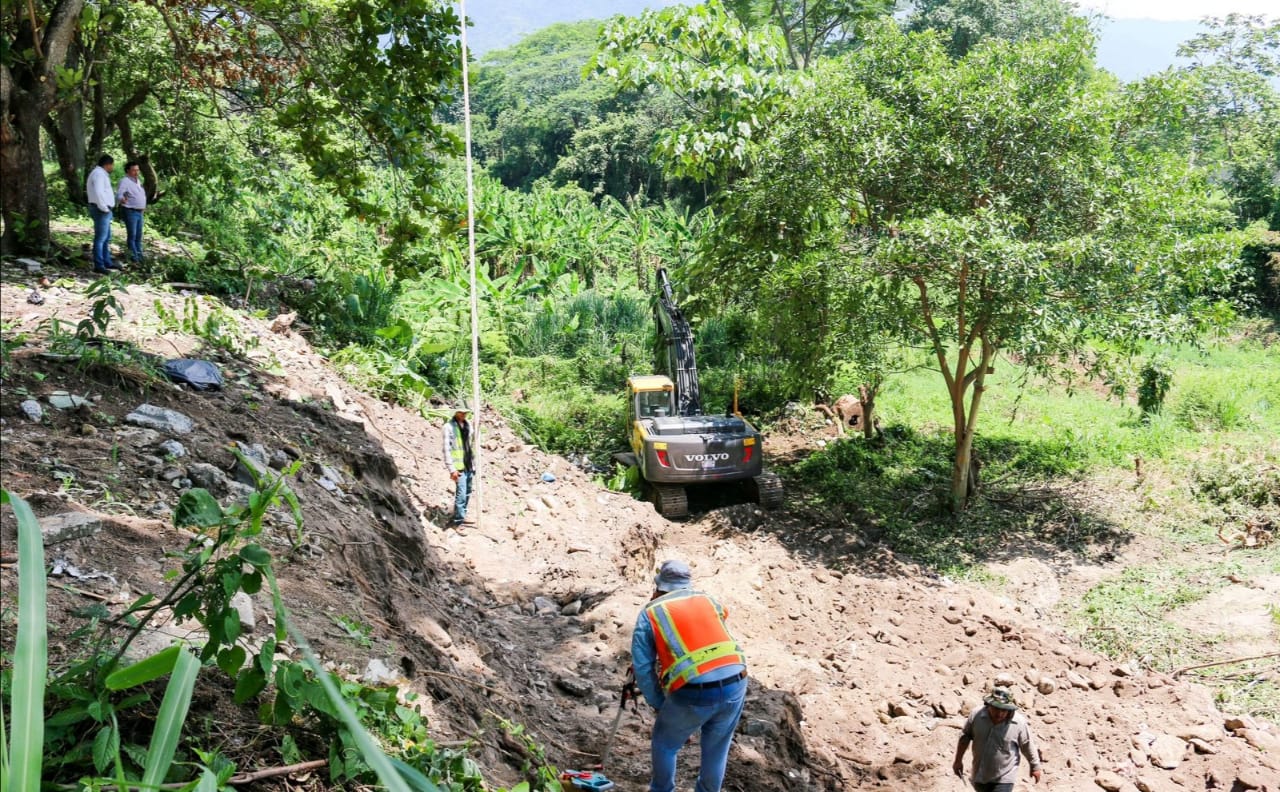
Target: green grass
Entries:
(1225, 395)
(1125, 617)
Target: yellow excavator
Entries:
(673, 443)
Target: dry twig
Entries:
(1185, 669)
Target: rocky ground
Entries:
(862, 667)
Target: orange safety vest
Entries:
(691, 638)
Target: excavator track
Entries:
(768, 490)
(670, 501)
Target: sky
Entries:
(1180, 9)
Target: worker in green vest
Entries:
(458, 439)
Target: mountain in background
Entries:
(1128, 48)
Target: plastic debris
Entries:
(201, 375)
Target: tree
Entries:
(965, 23)
(530, 98)
(811, 28)
(1004, 202)
(1235, 109)
(34, 75)
(356, 81)
(730, 78)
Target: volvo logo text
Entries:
(705, 457)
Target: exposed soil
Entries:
(862, 666)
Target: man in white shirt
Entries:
(101, 199)
(132, 199)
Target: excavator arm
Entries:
(675, 342)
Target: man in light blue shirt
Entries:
(132, 200)
(692, 672)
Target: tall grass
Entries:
(20, 767)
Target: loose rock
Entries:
(244, 608)
(68, 526)
(1251, 778)
(173, 448)
(1263, 741)
(161, 419)
(379, 673)
(1167, 751)
(579, 688)
(32, 409)
(207, 476)
(61, 400)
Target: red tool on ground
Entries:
(595, 779)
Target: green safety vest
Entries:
(457, 451)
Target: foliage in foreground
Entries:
(100, 719)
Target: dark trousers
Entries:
(992, 787)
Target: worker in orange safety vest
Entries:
(692, 671)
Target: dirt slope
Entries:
(860, 675)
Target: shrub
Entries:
(1251, 482)
(1200, 411)
(1155, 379)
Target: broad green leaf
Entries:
(144, 671)
(231, 660)
(171, 718)
(256, 555)
(250, 683)
(197, 507)
(106, 747)
(30, 654)
(208, 781)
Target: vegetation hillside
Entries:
(1051, 295)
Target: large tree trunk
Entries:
(965, 465)
(960, 470)
(66, 130)
(27, 95)
(25, 202)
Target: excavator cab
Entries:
(649, 396)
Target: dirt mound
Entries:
(860, 675)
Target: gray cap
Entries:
(461, 406)
(672, 576)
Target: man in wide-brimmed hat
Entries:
(1000, 736)
(458, 439)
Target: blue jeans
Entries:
(462, 494)
(133, 231)
(715, 711)
(101, 237)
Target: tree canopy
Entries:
(351, 82)
(1001, 202)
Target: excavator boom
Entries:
(675, 336)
